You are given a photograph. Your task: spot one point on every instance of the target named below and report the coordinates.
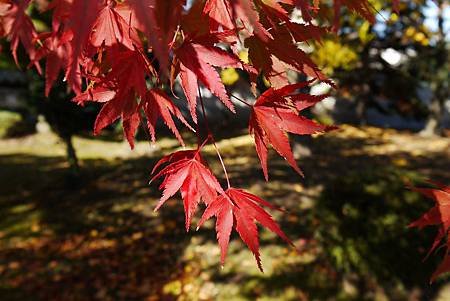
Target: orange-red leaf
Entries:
(83, 14)
(197, 58)
(111, 28)
(276, 113)
(220, 14)
(157, 104)
(187, 173)
(242, 210)
(439, 215)
(17, 26)
(144, 12)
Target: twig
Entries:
(210, 135)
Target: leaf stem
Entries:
(210, 135)
(241, 100)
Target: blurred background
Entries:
(76, 211)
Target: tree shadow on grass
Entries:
(353, 209)
(95, 239)
(99, 238)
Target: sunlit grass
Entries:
(348, 219)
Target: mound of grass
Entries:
(8, 120)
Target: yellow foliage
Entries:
(418, 35)
(409, 32)
(364, 33)
(173, 288)
(229, 76)
(332, 55)
(243, 55)
(394, 18)
(266, 82)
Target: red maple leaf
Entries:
(274, 114)
(225, 13)
(247, 12)
(267, 56)
(111, 28)
(242, 210)
(187, 172)
(97, 94)
(439, 215)
(278, 18)
(168, 18)
(17, 26)
(304, 7)
(55, 48)
(157, 104)
(117, 49)
(119, 90)
(197, 58)
(144, 14)
(361, 7)
(129, 69)
(121, 105)
(220, 14)
(83, 14)
(396, 5)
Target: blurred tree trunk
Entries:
(72, 158)
(361, 105)
(365, 98)
(439, 80)
(63, 116)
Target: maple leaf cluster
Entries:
(438, 215)
(125, 54)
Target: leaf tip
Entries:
(330, 128)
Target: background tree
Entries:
(64, 117)
(362, 68)
(124, 54)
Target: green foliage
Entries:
(8, 120)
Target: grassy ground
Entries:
(97, 238)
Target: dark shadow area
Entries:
(99, 238)
(353, 211)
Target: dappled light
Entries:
(101, 239)
(224, 150)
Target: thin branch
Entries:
(241, 100)
(210, 135)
